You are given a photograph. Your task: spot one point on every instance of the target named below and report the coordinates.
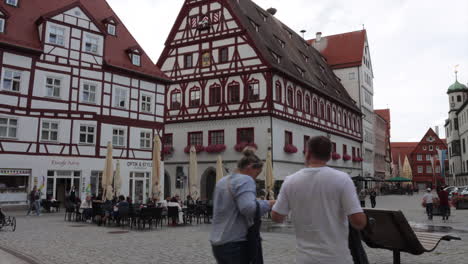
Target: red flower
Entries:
(241, 146)
(198, 149)
(217, 148)
(336, 156)
(290, 148)
(346, 157)
(167, 150)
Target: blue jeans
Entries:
(37, 206)
(232, 253)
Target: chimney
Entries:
(318, 36)
(272, 11)
(437, 130)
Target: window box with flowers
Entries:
(241, 146)
(357, 159)
(198, 149)
(336, 156)
(346, 157)
(168, 150)
(216, 148)
(290, 148)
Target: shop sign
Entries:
(65, 163)
(140, 165)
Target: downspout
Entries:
(362, 123)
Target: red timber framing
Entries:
(27, 103)
(186, 39)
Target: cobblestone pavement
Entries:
(50, 239)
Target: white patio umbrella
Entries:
(117, 180)
(193, 174)
(219, 169)
(107, 174)
(269, 178)
(156, 173)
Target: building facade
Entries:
(382, 116)
(73, 79)
(348, 55)
(456, 128)
(242, 77)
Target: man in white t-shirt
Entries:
(322, 202)
(428, 199)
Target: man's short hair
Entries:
(320, 147)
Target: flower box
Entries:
(346, 157)
(336, 156)
(241, 146)
(290, 148)
(357, 159)
(167, 150)
(198, 149)
(217, 148)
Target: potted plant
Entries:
(215, 148)
(198, 149)
(290, 148)
(336, 156)
(241, 146)
(346, 157)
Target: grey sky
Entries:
(414, 44)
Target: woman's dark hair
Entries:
(249, 159)
(121, 198)
(174, 200)
(320, 147)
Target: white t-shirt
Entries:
(320, 201)
(428, 198)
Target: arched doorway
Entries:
(208, 184)
(167, 185)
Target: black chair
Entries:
(173, 214)
(123, 218)
(69, 211)
(157, 216)
(144, 217)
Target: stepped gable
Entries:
(22, 31)
(317, 74)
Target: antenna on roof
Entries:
(303, 33)
(363, 27)
(456, 72)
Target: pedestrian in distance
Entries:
(444, 203)
(362, 198)
(322, 202)
(428, 202)
(373, 196)
(235, 230)
(34, 201)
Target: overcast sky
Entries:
(414, 45)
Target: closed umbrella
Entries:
(269, 178)
(193, 174)
(117, 180)
(107, 174)
(156, 175)
(219, 169)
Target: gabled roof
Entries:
(313, 71)
(384, 113)
(23, 32)
(342, 50)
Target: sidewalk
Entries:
(7, 258)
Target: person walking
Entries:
(34, 201)
(322, 202)
(236, 214)
(428, 201)
(444, 203)
(373, 196)
(362, 198)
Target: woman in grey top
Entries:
(234, 210)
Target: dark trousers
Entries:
(444, 210)
(429, 208)
(363, 204)
(373, 203)
(232, 253)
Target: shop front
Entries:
(14, 186)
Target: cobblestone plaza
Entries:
(48, 239)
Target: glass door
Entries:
(139, 186)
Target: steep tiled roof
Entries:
(22, 31)
(295, 53)
(384, 113)
(342, 50)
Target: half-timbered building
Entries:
(73, 79)
(242, 77)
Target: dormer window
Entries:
(12, 2)
(300, 70)
(57, 35)
(111, 26)
(282, 43)
(136, 59)
(111, 29)
(276, 56)
(255, 25)
(2, 25)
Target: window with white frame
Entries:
(419, 157)
(49, 131)
(11, 80)
(88, 95)
(87, 134)
(146, 103)
(12, 2)
(53, 87)
(120, 97)
(428, 157)
(91, 44)
(428, 169)
(118, 137)
(111, 29)
(136, 59)
(57, 35)
(420, 169)
(424, 148)
(8, 127)
(2, 25)
(145, 139)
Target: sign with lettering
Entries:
(64, 163)
(141, 165)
